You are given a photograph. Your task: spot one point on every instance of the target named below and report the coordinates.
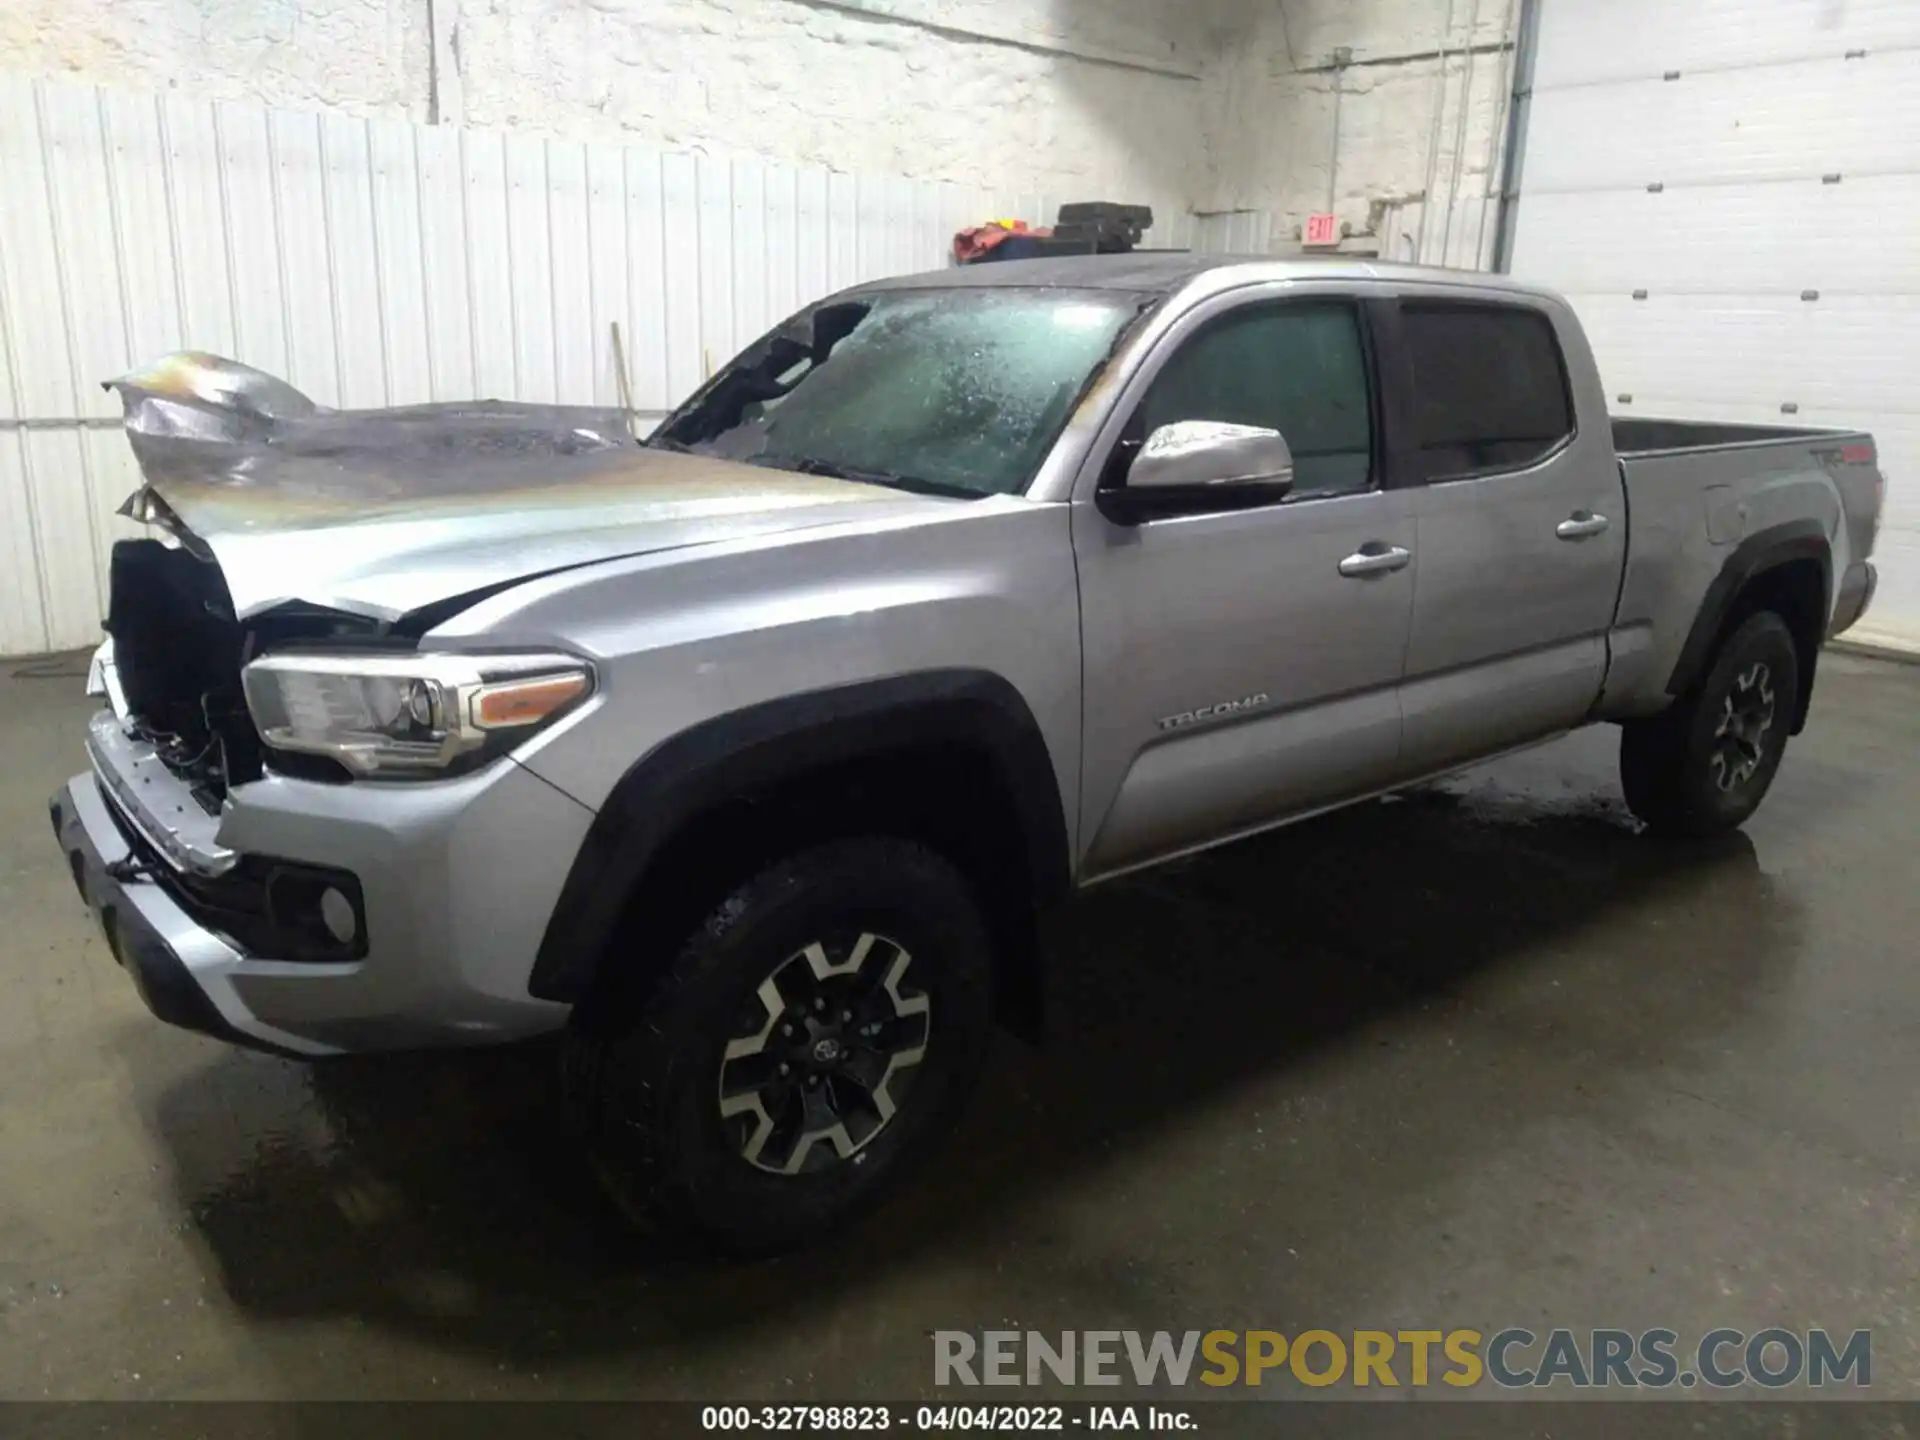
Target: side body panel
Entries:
(1234, 675)
(1510, 621)
(1242, 608)
(680, 638)
(1706, 520)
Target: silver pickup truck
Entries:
(746, 755)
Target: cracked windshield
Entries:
(957, 391)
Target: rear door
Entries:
(1521, 531)
(1233, 674)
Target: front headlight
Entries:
(404, 717)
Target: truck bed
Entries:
(1650, 436)
(1701, 492)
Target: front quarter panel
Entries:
(685, 636)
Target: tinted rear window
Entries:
(1490, 389)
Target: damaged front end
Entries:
(171, 665)
(241, 452)
(295, 742)
(282, 526)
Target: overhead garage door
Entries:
(1729, 193)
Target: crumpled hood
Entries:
(381, 512)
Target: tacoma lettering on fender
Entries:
(746, 754)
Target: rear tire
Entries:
(810, 1042)
(1705, 764)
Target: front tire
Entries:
(1705, 764)
(808, 1044)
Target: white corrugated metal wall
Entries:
(1722, 188)
(379, 263)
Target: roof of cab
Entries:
(1165, 271)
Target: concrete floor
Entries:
(1479, 1056)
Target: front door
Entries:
(1237, 672)
(1521, 533)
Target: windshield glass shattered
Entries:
(956, 391)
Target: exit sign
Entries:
(1322, 230)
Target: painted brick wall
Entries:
(1269, 113)
(800, 81)
(824, 86)
(367, 57)
(1093, 97)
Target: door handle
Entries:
(1375, 561)
(1581, 524)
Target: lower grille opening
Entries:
(264, 906)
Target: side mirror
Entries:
(1200, 465)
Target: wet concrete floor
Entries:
(1475, 1057)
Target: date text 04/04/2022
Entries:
(942, 1419)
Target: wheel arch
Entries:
(952, 757)
(1786, 568)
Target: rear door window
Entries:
(1490, 389)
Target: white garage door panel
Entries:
(1765, 104)
(1857, 352)
(1617, 39)
(1897, 560)
(1854, 116)
(1728, 239)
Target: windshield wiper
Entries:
(911, 483)
(662, 442)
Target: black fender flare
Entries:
(1753, 557)
(751, 749)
